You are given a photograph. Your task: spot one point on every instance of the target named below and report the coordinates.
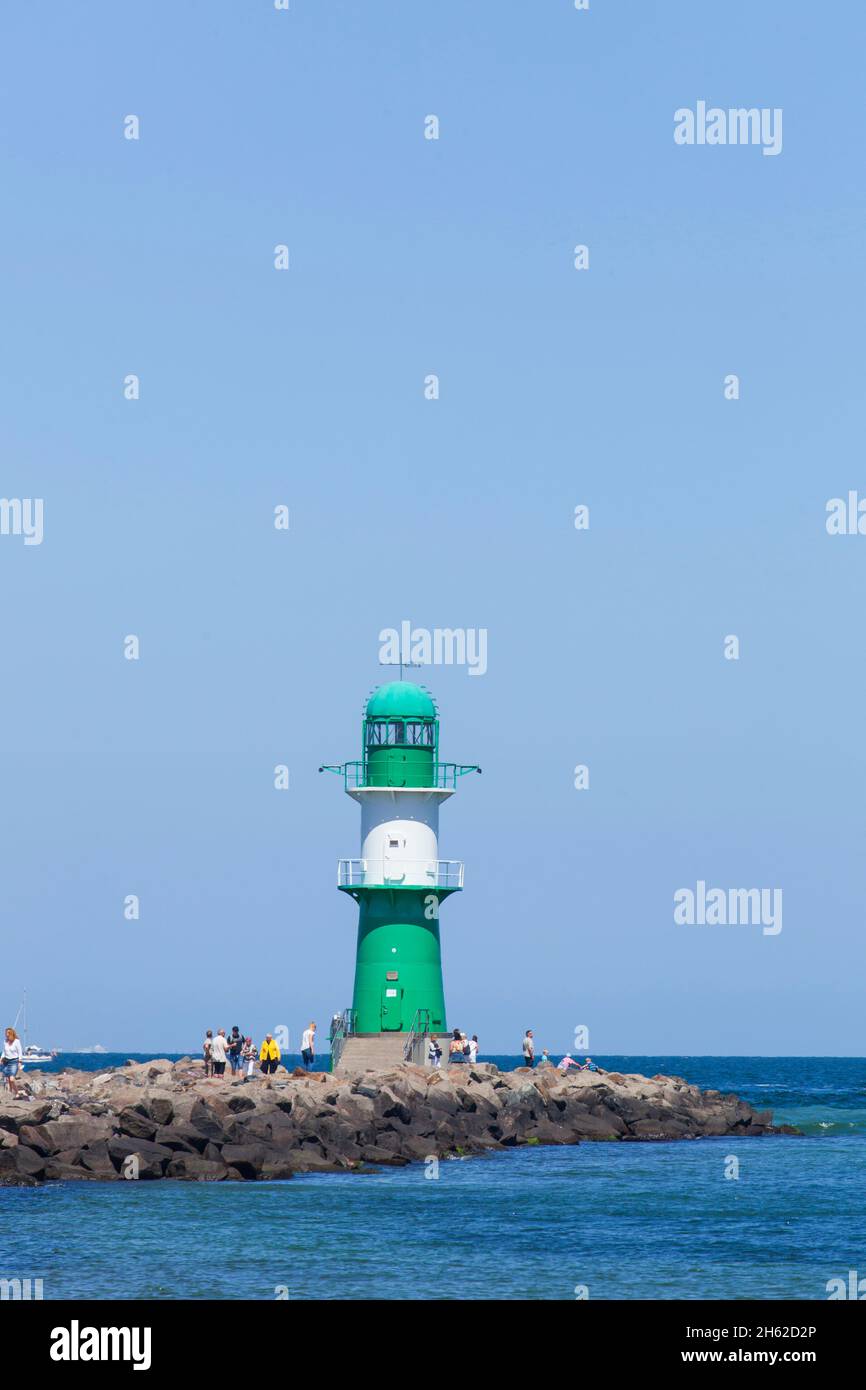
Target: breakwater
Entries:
(163, 1119)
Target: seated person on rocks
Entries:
(568, 1061)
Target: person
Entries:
(544, 1059)
(219, 1052)
(12, 1060)
(207, 1052)
(236, 1048)
(568, 1061)
(473, 1048)
(249, 1056)
(528, 1049)
(434, 1053)
(589, 1065)
(455, 1048)
(308, 1047)
(269, 1055)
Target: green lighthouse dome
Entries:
(401, 737)
(400, 700)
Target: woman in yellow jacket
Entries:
(269, 1055)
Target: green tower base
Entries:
(398, 965)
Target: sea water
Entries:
(604, 1220)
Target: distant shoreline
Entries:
(606, 1056)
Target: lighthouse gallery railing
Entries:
(402, 873)
(445, 775)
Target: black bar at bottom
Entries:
(247, 1337)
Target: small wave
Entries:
(823, 1122)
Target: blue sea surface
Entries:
(648, 1221)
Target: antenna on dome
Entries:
(409, 665)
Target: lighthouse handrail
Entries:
(444, 775)
(418, 1031)
(342, 1027)
(396, 873)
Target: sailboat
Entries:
(32, 1054)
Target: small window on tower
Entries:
(393, 844)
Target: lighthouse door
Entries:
(394, 866)
(392, 1008)
(396, 768)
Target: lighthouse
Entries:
(398, 881)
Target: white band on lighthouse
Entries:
(400, 839)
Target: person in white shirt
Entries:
(11, 1061)
(473, 1048)
(219, 1052)
(308, 1047)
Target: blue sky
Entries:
(558, 387)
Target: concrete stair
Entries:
(371, 1052)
